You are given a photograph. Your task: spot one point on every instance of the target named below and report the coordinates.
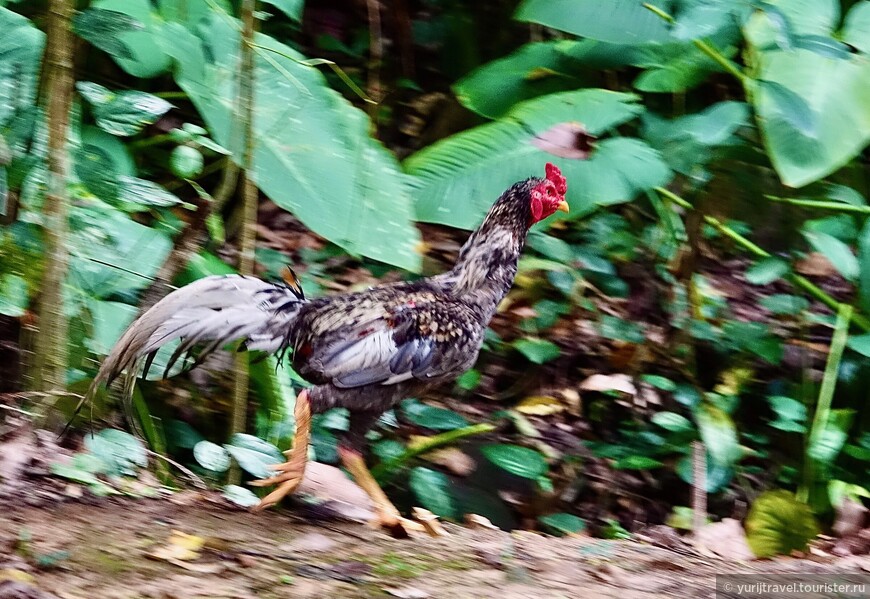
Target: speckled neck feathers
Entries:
(487, 263)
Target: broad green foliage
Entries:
(312, 152)
(456, 180)
(618, 21)
(819, 118)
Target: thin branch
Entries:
(376, 52)
(798, 280)
(705, 47)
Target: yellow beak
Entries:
(563, 206)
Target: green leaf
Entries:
(636, 462)
(767, 270)
(778, 524)
(123, 113)
(211, 456)
(20, 52)
(860, 344)
(110, 320)
(838, 253)
(254, 455)
(457, 179)
(813, 112)
(186, 162)
(619, 21)
(291, 8)
(856, 31)
(826, 445)
(119, 448)
(671, 421)
(105, 28)
(659, 382)
(77, 475)
(148, 59)
(520, 461)
(864, 266)
(563, 524)
(312, 151)
(13, 295)
(96, 170)
(145, 193)
(388, 450)
(432, 489)
(111, 252)
(674, 68)
(718, 434)
(717, 476)
(438, 419)
(698, 21)
(784, 304)
(240, 496)
(538, 351)
(787, 408)
(535, 69)
(181, 435)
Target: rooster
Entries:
(363, 351)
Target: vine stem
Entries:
(384, 471)
(798, 280)
(821, 205)
(703, 46)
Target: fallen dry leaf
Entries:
(815, 265)
(726, 539)
(180, 547)
(452, 458)
(478, 521)
(609, 382)
(429, 521)
(540, 405)
(407, 592)
(850, 517)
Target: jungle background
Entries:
(688, 345)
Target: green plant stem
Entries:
(151, 141)
(49, 363)
(798, 280)
(822, 205)
(704, 47)
(826, 396)
(383, 472)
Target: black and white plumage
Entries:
(367, 350)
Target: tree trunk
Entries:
(247, 235)
(48, 372)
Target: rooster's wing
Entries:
(365, 340)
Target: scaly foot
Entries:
(291, 471)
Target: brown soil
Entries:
(98, 549)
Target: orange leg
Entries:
(387, 514)
(291, 471)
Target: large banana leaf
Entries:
(312, 150)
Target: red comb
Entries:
(554, 175)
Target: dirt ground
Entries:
(99, 548)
